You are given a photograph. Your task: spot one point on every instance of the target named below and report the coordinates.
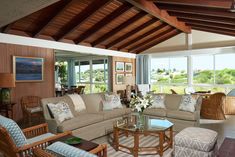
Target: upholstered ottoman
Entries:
(195, 142)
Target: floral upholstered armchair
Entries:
(20, 143)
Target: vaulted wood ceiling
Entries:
(125, 25)
(216, 16)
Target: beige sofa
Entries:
(94, 122)
(181, 119)
(89, 124)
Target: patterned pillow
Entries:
(187, 103)
(158, 101)
(14, 130)
(60, 111)
(114, 99)
(68, 151)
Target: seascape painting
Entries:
(28, 69)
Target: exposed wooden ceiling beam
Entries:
(152, 9)
(159, 33)
(159, 40)
(81, 17)
(225, 4)
(132, 32)
(7, 28)
(118, 28)
(60, 7)
(141, 37)
(118, 12)
(212, 30)
(214, 19)
(210, 24)
(197, 10)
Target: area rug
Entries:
(129, 141)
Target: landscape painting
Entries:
(119, 66)
(28, 69)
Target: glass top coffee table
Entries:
(159, 128)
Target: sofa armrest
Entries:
(199, 104)
(52, 125)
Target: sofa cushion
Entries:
(183, 115)
(80, 121)
(155, 112)
(172, 101)
(196, 138)
(93, 102)
(188, 103)
(113, 113)
(78, 102)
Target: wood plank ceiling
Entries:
(216, 16)
(131, 25)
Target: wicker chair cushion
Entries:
(14, 130)
(68, 151)
(40, 138)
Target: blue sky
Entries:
(202, 62)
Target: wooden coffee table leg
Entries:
(161, 141)
(136, 145)
(171, 137)
(115, 138)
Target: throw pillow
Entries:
(158, 101)
(114, 99)
(60, 111)
(107, 105)
(187, 103)
(78, 102)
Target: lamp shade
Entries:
(7, 80)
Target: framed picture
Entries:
(119, 78)
(119, 66)
(28, 69)
(128, 67)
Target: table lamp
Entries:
(128, 81)
(7, 81)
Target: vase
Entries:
(140, 120)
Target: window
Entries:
(203, 69)
(93, 74)
(166, 73)
(225, 69)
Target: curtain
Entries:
(143, 69)
(71, 73)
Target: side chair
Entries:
(20, 143)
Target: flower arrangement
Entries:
(139, 104)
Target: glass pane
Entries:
(85, 71)
(178, 70)
(225, 69)
(203, 70)
(87, 88)
(160, 70)
(98, 88)
(177, 89)
(98, 71)
(156, 88)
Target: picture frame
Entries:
(119, 67)
(28, 69)
(128, 67)
(119, 79)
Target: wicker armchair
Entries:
(8, 145)
(212, 107)
(31, 108)
(100, 151)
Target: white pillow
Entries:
(158, 101)
(78, 102)
(187, 103)
(114, 99)
(60, 111)
(107, 105)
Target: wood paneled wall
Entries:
(42, 89)
(116, 87)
